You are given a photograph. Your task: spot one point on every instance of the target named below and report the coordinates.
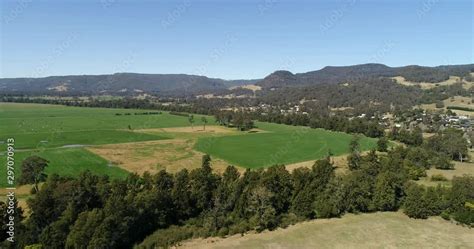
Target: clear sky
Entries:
(228, 39)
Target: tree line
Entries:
(160, 210)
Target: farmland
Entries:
(279, 144)
(114, 141)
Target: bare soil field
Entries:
(375, 230)
(171, 155)
(250, 87)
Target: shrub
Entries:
(445, 215)
(164, 238)
(241, 228)
(415, 206)
(288, 220)
(438, 178)
(224, 231)
(465, 216)
(442, 162)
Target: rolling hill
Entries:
(188, 85)
(340, 74)
(118, 84)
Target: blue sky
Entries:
(228, 39)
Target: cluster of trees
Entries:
(440, 93)
(364, 95)
(444, 146)
(455, 202)
(411, 137)
(366, 126)
(241, 120)
(160, 210)
(449, 142)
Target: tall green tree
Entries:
(331, 202)
(32, 171)
(260, 205)
(203, 184)
(382, 144)
(181, 194)
(204, 122)
(278, 181)
(450, 142)
(354, 158)
(387, 192)
(303, 194)
(414, 203)
(191, 120)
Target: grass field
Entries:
(376, 230)
(280, 144)
(47, 131)
(50, 126)
(74, 139)
(66, 162)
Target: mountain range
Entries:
(183, 84)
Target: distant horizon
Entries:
(165, 73)
(227, 39)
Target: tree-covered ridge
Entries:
(342, 74)
(182, 85)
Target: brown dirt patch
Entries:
(171, 155)
(22, 194)
(427, 85)
(340, 162)
(250, 87)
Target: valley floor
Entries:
(375, 230)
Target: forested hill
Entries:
(186, 85)
(332, 74)
(118, 84)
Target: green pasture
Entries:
(53, 132)
(65, 162)
(279, 144)
(33, 125)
